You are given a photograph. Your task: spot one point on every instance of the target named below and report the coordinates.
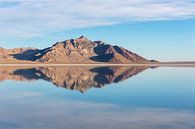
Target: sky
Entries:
(156, 29)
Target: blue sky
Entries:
(155, 29)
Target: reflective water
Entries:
(100, 98)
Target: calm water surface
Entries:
(99, 98)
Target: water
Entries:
(100, 98)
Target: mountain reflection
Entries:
(73, 78)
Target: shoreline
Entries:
(72, 65)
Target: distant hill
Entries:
(80, 50)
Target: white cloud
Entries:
(27, 18)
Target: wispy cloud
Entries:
(26, 18)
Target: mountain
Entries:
(80, 50)
(17, 55)
(72, 78)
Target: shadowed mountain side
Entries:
(28, 55)
(17, 55)
(73, 78)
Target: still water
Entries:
(97, 98)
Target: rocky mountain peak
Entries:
(75, 43)
(82, 37)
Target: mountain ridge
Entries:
(74, 51)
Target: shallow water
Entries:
(101, 98)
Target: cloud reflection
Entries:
(79, 114)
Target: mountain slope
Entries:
(17, 54)
(82, 50)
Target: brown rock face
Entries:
(69, 51)
(80, 50)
